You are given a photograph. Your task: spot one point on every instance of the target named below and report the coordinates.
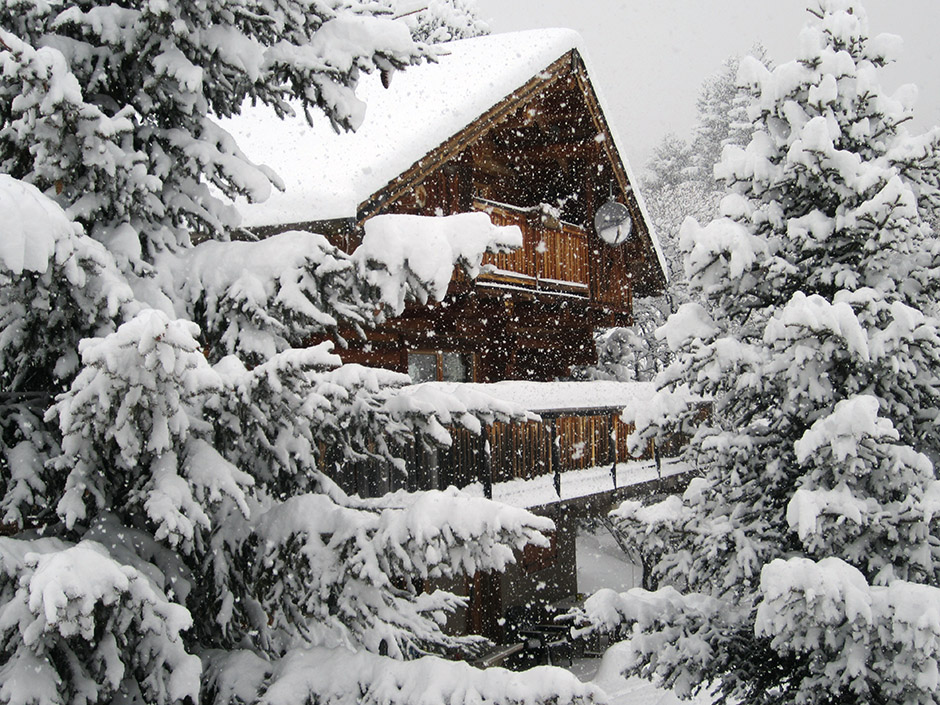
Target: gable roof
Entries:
(329, 176)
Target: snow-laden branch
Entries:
(342, 677)
(413, 257)
(356, 570)
(669, 633)
(80, 626)
(259, 298)
(872, 641)
(52, 276)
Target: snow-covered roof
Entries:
(328, 175)
(542, 397)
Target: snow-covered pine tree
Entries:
(721, 116)
(631, 354)
(679, 181)
(170, 531)
(804, 564)
(436, 21)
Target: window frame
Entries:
(469, 357)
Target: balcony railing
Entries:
(553, 446)
(524, 451)
(553, 256)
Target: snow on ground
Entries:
(540, 490)
(603, 564)
(605, 674)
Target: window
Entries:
(440, 366)
(454, 368)
(422, 367)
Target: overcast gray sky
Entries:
(652, 55)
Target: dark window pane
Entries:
(456, 367)
(422, 367)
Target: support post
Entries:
(614, 449)
(487, 465)
(556, 459)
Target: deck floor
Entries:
(540, 491)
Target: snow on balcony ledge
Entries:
(557, 397)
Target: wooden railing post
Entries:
(614, 444)
(556, 459)
(487, 465)
(538, 257)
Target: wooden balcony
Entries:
(557, 257)
(554, 255)
(579, 428)
(553, 446)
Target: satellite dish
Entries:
(613, 223)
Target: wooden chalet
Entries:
(508, 124)
(511, 125)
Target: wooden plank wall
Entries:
(559, 254)
(519, 451)
(523, 451)
(566, 255)
(464, 462)
(520, 260)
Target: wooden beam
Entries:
(549, 339)
(377, 335)
(551, 151)
(546, 121)
(411, 323)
